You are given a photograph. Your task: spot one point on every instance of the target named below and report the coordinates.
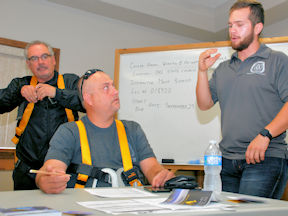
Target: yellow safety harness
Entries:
(61, 85)
(129, 171)
(28, 110)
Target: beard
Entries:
(244, 43)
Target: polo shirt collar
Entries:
(262, 52)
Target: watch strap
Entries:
(266, 133)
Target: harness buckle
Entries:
(84, 169)
(131, 176)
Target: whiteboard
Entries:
(157, 90)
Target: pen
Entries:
(47, 173)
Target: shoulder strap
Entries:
(61, 85)
(28, 110)
(85, 153)
(26, 116)
(124, 147)
(129, 172)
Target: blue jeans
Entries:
(265, 179)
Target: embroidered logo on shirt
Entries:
(258, 68)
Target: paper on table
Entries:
(243, 199)
(176, 207)
(122, 206)
(149, 205)
(119, 192)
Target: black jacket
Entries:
(46, 117)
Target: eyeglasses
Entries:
(36, 58)
(86, 77)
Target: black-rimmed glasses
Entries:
(86, 76)
(36, 58)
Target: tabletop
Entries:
(67, 201)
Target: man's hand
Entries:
(161, 177)
(156, 174)
(29, 93)
(52, 183)
(206, 60)
(45, 90)
(256, 150)
(203, 94)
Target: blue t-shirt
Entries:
(104, 146)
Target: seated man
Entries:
(101, 101)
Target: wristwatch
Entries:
(266, 133)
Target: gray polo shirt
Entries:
(250, 94)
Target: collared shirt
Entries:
(250, 94)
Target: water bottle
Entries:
(212, 168)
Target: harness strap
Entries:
(61, 85)
(129, 172)
(26, 116)
(85, 153)
(29, 109)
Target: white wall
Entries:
(86, 40)
(278, 29)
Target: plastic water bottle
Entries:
(212, 168)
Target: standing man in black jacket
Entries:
(44, 103)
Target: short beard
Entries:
(245, 43)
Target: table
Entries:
(67, 201)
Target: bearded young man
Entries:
(252, 91)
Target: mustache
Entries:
(42, 67)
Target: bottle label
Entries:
(213, 160)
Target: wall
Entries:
(276, 30)
(86, 40)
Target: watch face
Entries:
(263, 133)
(266, 133)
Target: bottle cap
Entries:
(213, 142)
